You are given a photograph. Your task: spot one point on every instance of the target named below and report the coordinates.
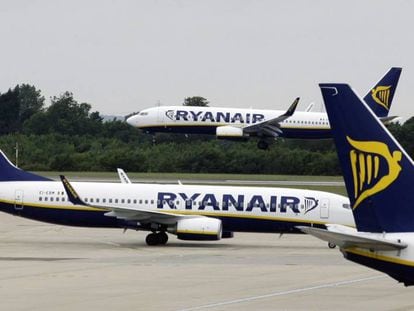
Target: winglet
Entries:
(292, 108)
(123, 176)
(70, 191)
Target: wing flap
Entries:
(357, 239)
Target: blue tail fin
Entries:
(379, 98)
(9, 172)
(378, 173)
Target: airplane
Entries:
(379, 176)
(191, 212)
(267, 125)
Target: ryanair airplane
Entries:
(237, 123)
(191, 212)
(379, 177)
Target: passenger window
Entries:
(45, 198)
(86, 199)
(91, 200)
(103, 200)
(122, 201)
(97, 200)
(152, 201)
(116, 200)
(129, 201)
(40, 198)
(140, 201)
(146, 201)
(63, 199)
(57, 199)
(135, 201)
(110, 200)
(51, 199)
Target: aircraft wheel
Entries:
(331, 245)
(162, 238)
(262, 145)
(152, 239)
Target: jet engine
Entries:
(203, 228)
(229, 132)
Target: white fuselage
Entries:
(205, 120)
(241, 208)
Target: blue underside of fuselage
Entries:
(400, 272)
(90, 218)
(299, 133)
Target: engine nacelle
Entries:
(228, 131)
(207, 229)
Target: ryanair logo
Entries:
(310, 204)
(170, 114)
(368, 159)
(381, 95)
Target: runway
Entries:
(49, 267)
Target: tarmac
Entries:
(49, 267)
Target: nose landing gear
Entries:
(263, 145)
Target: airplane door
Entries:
(18, 200)
(324, 208)
(160, 116)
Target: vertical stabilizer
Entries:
(379, 98)
(378, 173)
(9, 172)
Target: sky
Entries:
(124, 56)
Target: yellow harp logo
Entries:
(365, 163)
(381, 95)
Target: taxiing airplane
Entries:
(192, 212)
(379, 177)
(239, 123)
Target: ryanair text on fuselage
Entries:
(238, 203)
(219, 117)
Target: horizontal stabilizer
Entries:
(356, 239)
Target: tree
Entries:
(18, 105)
(195, 101)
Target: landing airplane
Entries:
(379, 177)
(238, 123)
(192, 212)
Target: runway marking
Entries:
(287, 292)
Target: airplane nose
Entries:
(132, 121)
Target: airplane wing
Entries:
(388, 119)
(123, 176)
(353, 239)
(271, 127)
(127, 213)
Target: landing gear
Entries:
(262, 144)
(331, 245)
(160, 238)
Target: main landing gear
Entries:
(156, 238)
(262, 144)
(331, 245)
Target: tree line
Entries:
(68, 136)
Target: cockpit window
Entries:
(143, 114)
(346, 205)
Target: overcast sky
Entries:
(124, 56)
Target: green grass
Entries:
(173, 177)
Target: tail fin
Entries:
(378, 173)
(379, 98)
(9, 172)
